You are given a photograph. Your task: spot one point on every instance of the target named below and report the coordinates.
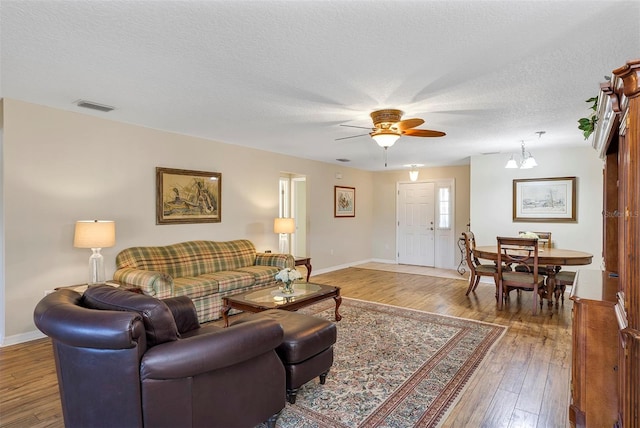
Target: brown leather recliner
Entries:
(129, 360)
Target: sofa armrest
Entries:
(211, 351)
(156, 284)
(278, 260)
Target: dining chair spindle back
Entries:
(544, 239)
(544, 243)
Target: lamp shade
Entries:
(529, 162)
(511, 163)
(284, 225)
(413, 175)
(94, 234)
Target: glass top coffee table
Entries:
(305, 293)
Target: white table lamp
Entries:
(95, 234)
(284, 226)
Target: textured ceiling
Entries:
(284, 75)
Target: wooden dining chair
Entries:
(476, 268)
(544, 242)
(563, 278)
(523, 254)
(544, 239)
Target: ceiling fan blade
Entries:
(409, 123)
(423, 133)
(352, 136)
(361, 127)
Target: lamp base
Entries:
(283, 243)
(96, 268)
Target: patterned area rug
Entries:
(393, 367)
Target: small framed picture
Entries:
(184, 196)
(344, 201)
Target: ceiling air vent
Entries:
(343, 160)
(94, 106)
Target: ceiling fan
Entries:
(388, 127)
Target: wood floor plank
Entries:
(557, 386)
(522, 419)
(515, 363)
(532, 393)
(478, 396)
(500, 411)
(538, 346)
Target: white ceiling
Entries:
(284, 75)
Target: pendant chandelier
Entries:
(527, 160)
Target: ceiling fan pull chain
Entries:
(385, 157)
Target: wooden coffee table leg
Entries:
(308, 266)
(225, 312)
(338, 300)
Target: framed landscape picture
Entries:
(544, 199)
(344, 201)
(184, 196)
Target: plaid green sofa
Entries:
(205, 271)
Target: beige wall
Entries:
(62, 166)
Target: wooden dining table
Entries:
(552, 258)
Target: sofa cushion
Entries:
(192, 258)
(204, 285)
(158, 319)
(195, 286)
(262, 275)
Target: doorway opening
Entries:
(293, 204)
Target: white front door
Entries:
(416, 216)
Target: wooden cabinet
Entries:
(594, 387)
(617, 139)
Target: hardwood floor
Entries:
(523, 382)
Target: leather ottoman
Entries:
(306, 349)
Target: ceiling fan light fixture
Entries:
(385, 138)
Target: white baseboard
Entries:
(395, 262)
(21, 338)
(343, 266)
(391, 262)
